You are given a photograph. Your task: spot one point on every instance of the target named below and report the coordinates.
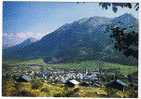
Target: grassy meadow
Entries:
(88, 64)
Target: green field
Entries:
(89, 64)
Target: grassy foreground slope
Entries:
(59, 90)
(88, 64)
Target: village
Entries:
(41, 77)
(71, 77)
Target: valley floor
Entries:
(47, 79)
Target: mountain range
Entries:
(23, 44)
(86, 38)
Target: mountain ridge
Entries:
(79, 39)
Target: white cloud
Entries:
(11, 39)
(30, 34)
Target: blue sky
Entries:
(46, 17)
(40, 18)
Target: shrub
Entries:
(36, 84)
(24, 93)
(44, 90)
(23, 89)
(35, 93)
(8, 88)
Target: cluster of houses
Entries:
(62, 76)
(88, 78)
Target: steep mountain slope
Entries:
(26, 42)
(20, 46)
(83, 39)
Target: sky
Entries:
(22, 20)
